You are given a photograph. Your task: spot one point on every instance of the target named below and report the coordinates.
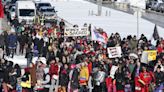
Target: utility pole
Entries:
(138, 23)
(99, 9)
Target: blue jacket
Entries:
(12, 40)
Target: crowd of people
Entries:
(76, 64)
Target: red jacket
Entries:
(50, 31)
(146, 77)
(90, 68)
(53, 69)
(159, 49)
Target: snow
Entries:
(18, 59)
(77, 12)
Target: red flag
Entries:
(1, 10)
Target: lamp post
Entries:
(138, 15)
(138, 23)
(99, 9)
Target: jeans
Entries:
(83, 88)
(54, 84)
(159, 88)
(127, 88)
(29, 60)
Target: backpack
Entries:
(25, 77)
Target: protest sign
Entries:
(113, 71)
(144, 57)
(78, 31)
(149, 55)
(152, 55)
(114, 52)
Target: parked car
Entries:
(42, 4)
(149, 4)
(161, 7)
(155, 6)
(47, 12)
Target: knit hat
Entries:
(72, 66)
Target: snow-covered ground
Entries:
(21, 60)
(77, 12)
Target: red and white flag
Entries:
(1, 10)
(97, 36)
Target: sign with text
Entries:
(78, 31)
(114, 52)
(149, 55)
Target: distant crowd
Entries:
(56, 63)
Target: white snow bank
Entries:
(77, 12)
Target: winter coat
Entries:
(39, 73)
(12, 40)
(32, 71)
(159, 78)
(119, 81)
(40, 45)
(50, 56)
(22, 39)
(64, 77)
(133, 43)
(62, 24)
(53, 69)
(127, 74)
(18, 71)
(29, 53)
(84, 76)
(2, 40)
(74, 79)
(13, 80)
(15, 23)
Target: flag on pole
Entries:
(95, 35)
(155, 33)
(1, 10)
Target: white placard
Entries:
(80, 31)
(114, 52)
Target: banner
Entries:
(97, 36)
(152, 54)
(1, 10)
(114, 52)
(144, 57)
(149, 55)
(71, 31)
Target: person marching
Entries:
(145, 78)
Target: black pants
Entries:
(11, 52)
(7, 51)
(21, 49)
